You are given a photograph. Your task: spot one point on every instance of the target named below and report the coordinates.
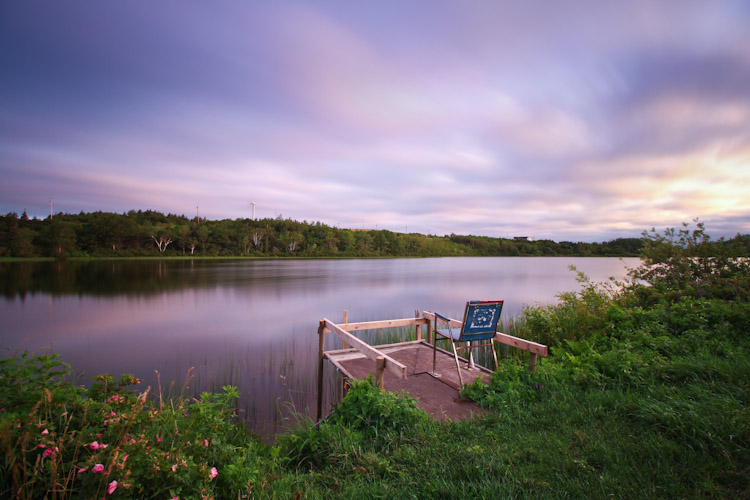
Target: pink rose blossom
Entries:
(97, 468)
(94, 445)
(112, 487)
(213, 473)
(205, 442)
(46, 453)
(42, 445)
(45, 432)
(158, 440)
(174, 467)
(82, 470)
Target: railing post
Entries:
(380, 371)
(419, 327)
(346, 320)
(321, 347)
(532, 362)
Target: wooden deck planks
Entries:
(438, 396)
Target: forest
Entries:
(148, 233)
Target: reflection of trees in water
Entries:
(99, 277)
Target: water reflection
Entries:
(248, 323)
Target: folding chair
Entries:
(480, 325)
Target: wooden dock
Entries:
(408, 366)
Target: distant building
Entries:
(521, 238)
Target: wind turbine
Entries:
(253, 204)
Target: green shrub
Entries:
(65, 442)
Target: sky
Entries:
(566, 120)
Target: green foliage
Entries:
(62, 441)
(577, 315)
(366, 418)
(150, 233)
(685, 262)
(659, 370)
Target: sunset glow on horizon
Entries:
(582, 121)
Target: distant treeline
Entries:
(150, 233)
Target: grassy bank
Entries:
(645, 395)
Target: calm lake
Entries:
(249, 323)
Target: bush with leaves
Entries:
(63, 441)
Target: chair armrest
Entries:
(442, 318)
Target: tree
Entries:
(162, 241)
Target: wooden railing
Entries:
(383, 362)
(526, 345)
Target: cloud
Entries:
(573, 121)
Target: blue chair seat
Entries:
(451, 333)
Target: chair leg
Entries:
(494, 354)
(458, 367)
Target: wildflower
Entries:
(213, 473)
(45, 432)
(99, 435)
(112, 487)
(158, 439)
(94, 445)
(205, 442)
(82, 470)
(42, 445)
(97, 469)
(47, 453)
(174, 467)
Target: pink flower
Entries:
(102, 446)
(42, 445)
(125, 458)
(112, 487)
(97, 469)
(99, 435)
(158, 440)
(175, 498)
(94, 445)
(45, 432)
(205, 442)
(82, 470)
(174, 467)
(213, 473)
(132, 441)
(46, 453)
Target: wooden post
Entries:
(380, 371)
(419, 327)
(532, 362)
(321, 347)
(346, 320)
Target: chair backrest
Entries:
(480, 320)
